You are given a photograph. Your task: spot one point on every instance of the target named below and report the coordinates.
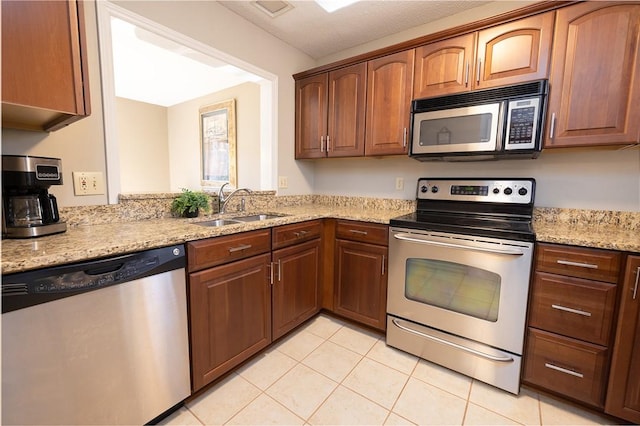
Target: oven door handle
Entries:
(414, 239)
(490, 357)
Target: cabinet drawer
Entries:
(573, 307)
(287, 235)
(364, 232)
(216, 251)
(570, 367)
(595, 264)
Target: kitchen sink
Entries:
(218, 222)
(257, 217)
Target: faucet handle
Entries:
(220, 191)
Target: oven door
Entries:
(473, 287)
(458, 130)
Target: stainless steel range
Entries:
(459, 271)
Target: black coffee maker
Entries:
(28, 210)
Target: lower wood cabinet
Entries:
(623, 395)
(296, 286)
(360, 276)
(571, 312)
(230, 316)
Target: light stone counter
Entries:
(109, 239)
(142, 222)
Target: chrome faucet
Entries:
(222, 200)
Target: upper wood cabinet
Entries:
(595, 81)
(505, 54)
(389, 94)
(330, 113)
(623, 397)
(444, 67)
(44, 66)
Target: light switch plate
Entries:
(88, 183)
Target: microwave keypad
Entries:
(521, 129)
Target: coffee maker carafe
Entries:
(28, 210)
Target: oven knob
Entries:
(424, 188)
(522, 191)
(434, 189)
(496, 190)
(508, 190)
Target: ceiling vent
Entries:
(272, 8)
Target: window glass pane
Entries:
(453, 286)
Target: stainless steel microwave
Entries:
(500, 123)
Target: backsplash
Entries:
(135, 207)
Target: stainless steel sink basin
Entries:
(219, 222)
(257, 217)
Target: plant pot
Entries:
(195, 213)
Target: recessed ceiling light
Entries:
(333, 5)
(272, 8)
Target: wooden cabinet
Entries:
(360, 276)
(45, 82)
(623, 396)
(330, 113)
(505, 54)
(389, 94)
(571, 314)
(229, 304)
(297, 277)
(595, 76)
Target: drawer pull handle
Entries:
(356, 231)
(239, 248)
(578, 264)
(564, 370)
(300, 234)
(573, 311)
(635, 287)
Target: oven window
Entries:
(453, 286)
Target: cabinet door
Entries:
(444, 67)
(230, 316)
(389, 89)
(296, 286)
(360, 291)
(345, 136)
(515, 52)
(594, 79)
(623, 397)
(311, 116)
(44, 75)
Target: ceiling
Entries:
(309, 28)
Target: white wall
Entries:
(184, 137)
(212, 24)
(608, 180)
(144, 147)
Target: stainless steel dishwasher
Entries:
(98, 342)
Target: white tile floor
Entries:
(332, 373)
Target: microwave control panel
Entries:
(522, 124)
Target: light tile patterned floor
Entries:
(332, 373)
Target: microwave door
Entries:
(457, 130)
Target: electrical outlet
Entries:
(88, 183)
(399, 184)
(283, 182)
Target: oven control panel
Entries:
(510, 191)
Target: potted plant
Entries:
(189, 203)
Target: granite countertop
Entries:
(80, 243)
(597, 229)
